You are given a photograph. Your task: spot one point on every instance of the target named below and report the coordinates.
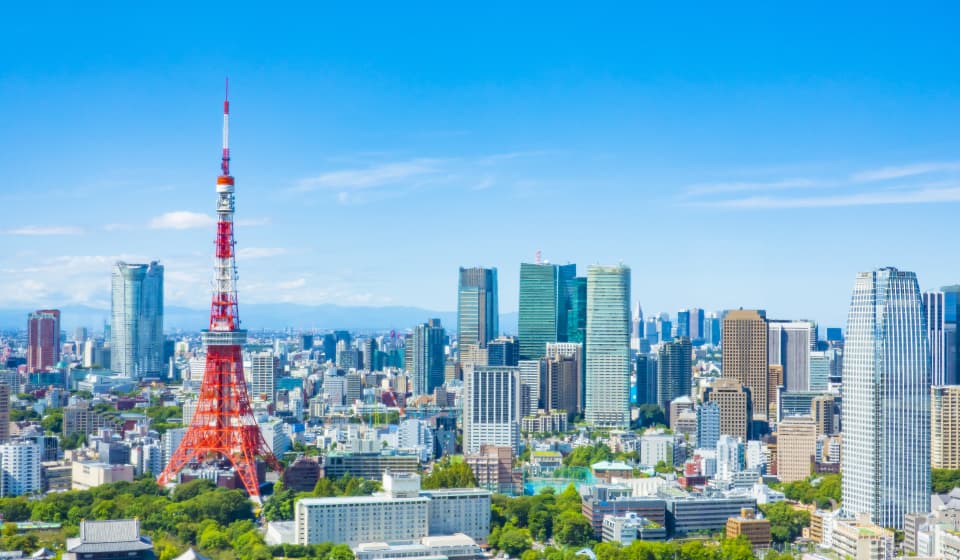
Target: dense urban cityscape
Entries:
(584, 300)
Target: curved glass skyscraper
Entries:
(886, 399)
(136, 329)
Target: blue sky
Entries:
(751, 155)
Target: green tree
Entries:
(447, 474)
(340, 552)
(944, 480)
(573, 529)
(587, 455)
(514, 541)
(786, 523)
(192, 489)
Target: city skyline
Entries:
(664, 131)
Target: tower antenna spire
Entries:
(225, 158)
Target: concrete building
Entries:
(629, 527)
(532, 376)
(796, 448)
(20, 468)
(862, 540)
(708, 424)
(744, 346)
(735, 404)
(945, 427)
(789, 344)
(43, 340)
(821, 409)
(87, 475)
(601, 500)
(450, 547)
(674, 371)
(371, 466)
(478, 311)
(493, 469)
(5, 391)
(459, 510)
(491, 407)
(563, 389)
(689, 513)
(749, 526)
(262, 367)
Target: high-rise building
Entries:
(711, 329)
(532, 376)
(544, 306)
(577, 310)
(796, 447)
(945, 427)
(951, 341)
(683, 323)
(5, 391)
(886, 399)
(708, 425)
(646, 379)
(502, 351)
(43, 340)
(636, 327)
(608, 346)
(564, 367)
(789, 344)
(733, 399)
(478, 313)
(136, 344)
(744, 348)
(821, 409)
(674, 371)
(491, 407)
(263, 366)
(428, 358)
(20, 468)
(933, 308)
(697, 326)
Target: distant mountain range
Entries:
(269, 316)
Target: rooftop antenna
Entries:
(225, 158)
(539, 257)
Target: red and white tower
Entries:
(223, 425)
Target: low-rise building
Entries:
(754, 529)
(459, 510)
(625, 529)
(451, 547)
(862, 540)
(493, 469)
(690, 513)
(87, 475)
(371, 466)
(601, 500)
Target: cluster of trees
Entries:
(160, 417)
(590, 454)
(944, 480)
(516, 522)
(823, 491)
(323, 551)
(786, 523)
(215, 519)
(449, 474)
(280, 505)
(727, 549)
(651, 415)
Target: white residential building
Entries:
(20, 468)
(491, 407)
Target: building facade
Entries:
(136, 328)
(945, 427)
(43, 340)
(491, 407)
(608, 366)
(886, 399)
(428, 358)
(674, 371)
(744, 347)
(478, 312)
(796, 447)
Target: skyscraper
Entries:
(683, 323)
(789, 344)
(577, 310)
(796, 448)
(43, 340)
(733, 399)
(886, 399)
(744, 346)
(636, 327)
(608, 346)
(933, 308)
(945, 427)
(263, 368)
(428, 356)
(708, 425)
(951, 315)
(564, 378)
(646, 379)
(5, 391)
(674, 371)
(478, 313)
(491, 407)
(696, 326)
(544, 306)
(136, 344)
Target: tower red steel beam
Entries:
(223, 425)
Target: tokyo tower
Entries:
(223, 425)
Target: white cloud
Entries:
(292, 284)
(44, 230)
(260, 252)
(372, 176)
(181, 219)
(901, 171)
(911, 196)
(717, 188)
(248, 222)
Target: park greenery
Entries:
(822, 491)
(516, 522)
(786, 523)
(448, 473)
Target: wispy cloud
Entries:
(916, 183)
(181, 219)
(260, 252)
(44, 230)
(371, 176)
(249, 222)
(901, 171)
